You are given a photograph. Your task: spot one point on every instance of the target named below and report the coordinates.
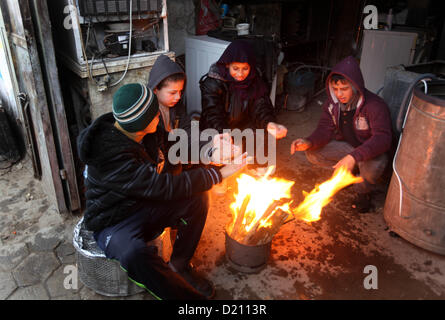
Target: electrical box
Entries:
(102, 45)
(93, 36)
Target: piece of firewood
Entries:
(265, 234)
(240, 217)
(276, 225)
(266, 214)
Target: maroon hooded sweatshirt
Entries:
(371, 122)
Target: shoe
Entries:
(196, 280)
(363, 203)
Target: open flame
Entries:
(257, 203)
(262, 205)
(310, 209)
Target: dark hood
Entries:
(240, 51)
(237, 51)
(163, 67)
(350, 69)
(100, 141)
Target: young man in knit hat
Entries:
(131, 196)
(354, 130)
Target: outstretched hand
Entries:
(348, 162)
(277, 130)
(236, 165)
(300, 145)
(223, 149)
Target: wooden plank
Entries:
(54, 91)
(31, 82)
(19, 41)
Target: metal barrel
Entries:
(415, 203)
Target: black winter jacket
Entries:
(123, 175)
(217, 101)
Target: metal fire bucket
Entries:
(415, 203)
(98, 273)
(247, 259)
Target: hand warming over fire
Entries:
(300, 145)
(223, 149)
(277, 130)
(348, 162)
(235, 165)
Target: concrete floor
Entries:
(319, 260)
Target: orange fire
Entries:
(310, 209)
(261, 194)
(262, 205)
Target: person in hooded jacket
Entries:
(132, 195)
(354, 130)
(168, 80)
(234, 96)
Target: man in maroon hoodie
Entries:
(354, 130)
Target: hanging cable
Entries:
(425, 89)
(82, 44)
(129, 46)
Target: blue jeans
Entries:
(370, 170)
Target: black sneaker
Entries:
(196, 280)
(363, 203)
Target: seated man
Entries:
(132, 196)
(354, 130)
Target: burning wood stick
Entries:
(239, 218)
(278, 220)
(253, 230)
(264, 235)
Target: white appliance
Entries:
(200, 53)
(382, 49)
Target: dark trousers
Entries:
(127, 243)
(334, 151)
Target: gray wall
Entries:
(181, 23)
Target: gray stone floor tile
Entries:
(35, 268)
(7, 285)
(12, 255)
(35, 292)
(56, 283)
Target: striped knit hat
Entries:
(134, 106)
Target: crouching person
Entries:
(354, 131)
(131, 198)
